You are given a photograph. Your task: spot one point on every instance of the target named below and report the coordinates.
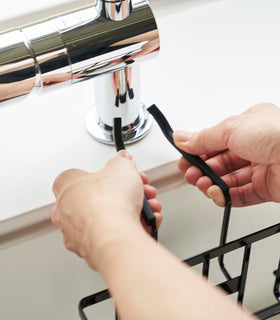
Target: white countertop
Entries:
(216, 59)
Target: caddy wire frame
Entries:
(231, 284)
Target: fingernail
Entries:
(182, 136)
(124, 154)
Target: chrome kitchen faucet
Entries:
(107, 39)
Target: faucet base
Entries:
(130, 133)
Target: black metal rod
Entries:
(277, 283)
(223, 238)
(235, 244)
(244, 272)
(230, 286)
(268, 312)
(92, 299)
(206, 266)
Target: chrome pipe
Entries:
(105, 37)
(118, 96)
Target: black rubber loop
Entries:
(147, 212)
(192, 159)
(205, 169)
(117, 127)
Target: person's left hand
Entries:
(95, 209)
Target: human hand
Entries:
(244, 150)
(94, 210)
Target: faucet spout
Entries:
(106, 37)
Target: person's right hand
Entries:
(244, 150)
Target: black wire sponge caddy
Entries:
(231, 285)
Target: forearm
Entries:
(148, 282)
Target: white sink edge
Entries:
(38, 221)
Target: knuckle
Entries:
(55, 216)
(229, 127)
(195, 140)
(230, 123)
(65, 178)
(67, 243)
(227, 162)
(242, 197)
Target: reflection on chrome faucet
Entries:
(122, 85)
(117, 10)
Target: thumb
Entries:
(118, 160)
(124, 154)
(207, 140)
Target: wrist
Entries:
(111, 231)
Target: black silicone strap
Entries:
(206, 170)
(147, 212)
(192, 159)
